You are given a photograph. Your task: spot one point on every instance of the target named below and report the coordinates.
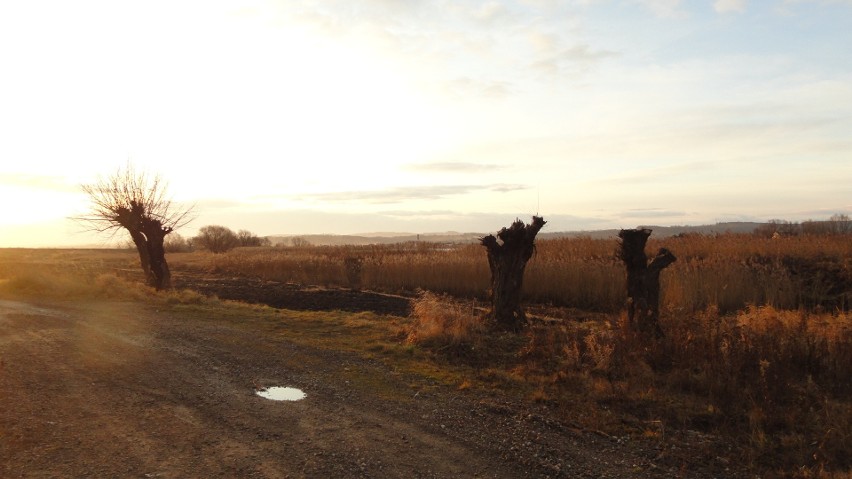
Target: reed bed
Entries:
(729, 272)
(774, 383)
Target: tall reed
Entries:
(728, 271)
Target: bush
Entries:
(216, 239)
(249, 239)
(444, 325)
(175, 243)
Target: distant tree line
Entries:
(220, 239)
(214, 238)
(837, 224)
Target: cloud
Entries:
(507, 188)
(420, 213)
(572, 60)
(585, 54)
(652, 213)
(218, 204)
(544, 43)
(663, 8)
(823, 2)
(43, 182)
(396, 195)
(490, 12)
(466, 87)
(454, 167)
(663, 174)
(481, 222)
(785, 7)
(726, 6)
(315, 221)
(822, 213)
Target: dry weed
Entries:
(442, 324)
(729, 272)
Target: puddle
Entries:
(282, 394)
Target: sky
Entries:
(346, 117)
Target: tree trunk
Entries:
(643, 280)
(144, 255)
(652, 280)
(507, 260)
(148, 234)
(156, 235)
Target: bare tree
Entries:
(840, 223)
(507, 259)
(138, 204)
(216, 239)
(299, 242)
(176, 243)
(247, 238)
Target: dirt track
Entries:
(102, 389)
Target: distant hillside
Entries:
(340, 240)
(454, 237)
(664, 231)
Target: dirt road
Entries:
(117, 389)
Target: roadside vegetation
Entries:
(756, 356)
(728, 272)
(757, 346)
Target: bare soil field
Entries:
(101, 388)
(290, 295)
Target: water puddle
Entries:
(282, 394)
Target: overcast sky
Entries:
(347, 116)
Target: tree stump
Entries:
(507, 259)
(643, 280)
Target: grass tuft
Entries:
(441, 324)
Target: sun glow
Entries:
(424, 110)
(26, 206)
(238, 87)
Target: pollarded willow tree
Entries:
(643, 280)
(507, 259)
(138, 204)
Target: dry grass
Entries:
(82, 274)
(733, 271)
(757, 352)
(442, 324)
(777, 384)
(729, 272)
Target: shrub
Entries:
(248, 239)
(442, 324)
(175, 243)
(216, 239)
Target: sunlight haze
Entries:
(346, 117)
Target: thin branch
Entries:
(128, 196)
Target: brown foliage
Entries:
(727, 271)
(442, 324)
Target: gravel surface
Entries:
(117, 389)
